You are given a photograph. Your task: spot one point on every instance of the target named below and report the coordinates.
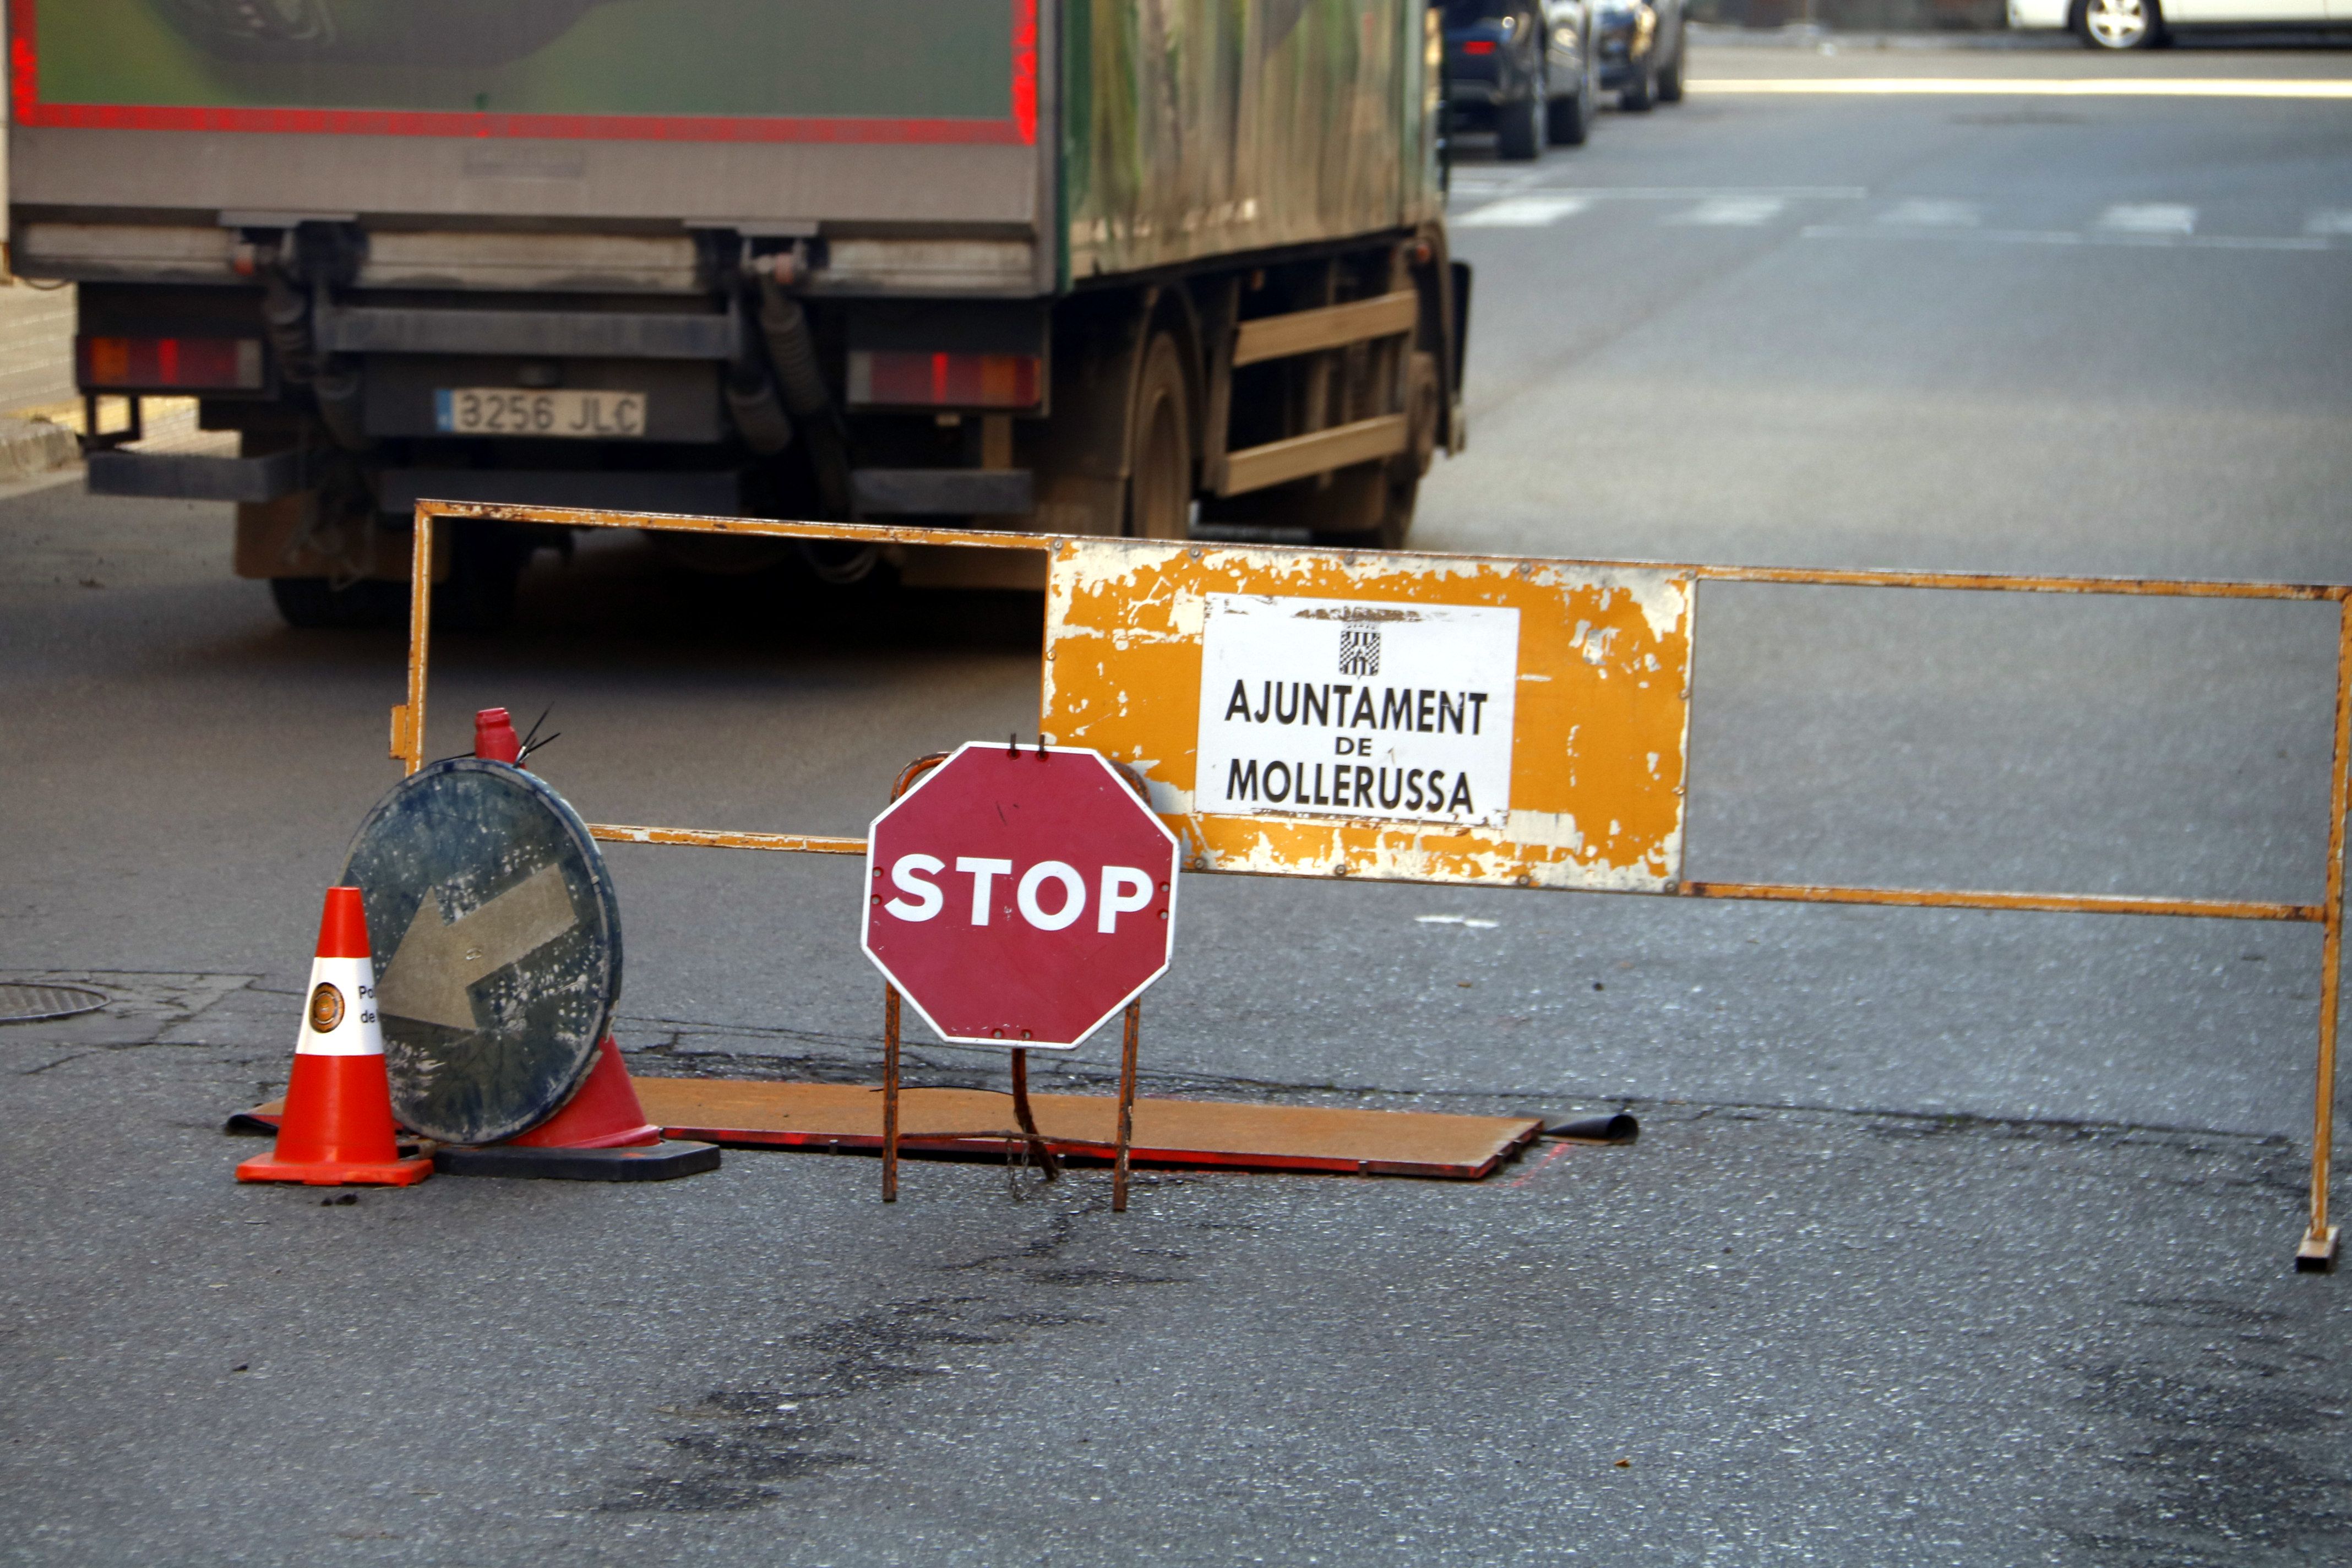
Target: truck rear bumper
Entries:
(703, 493)
(183, 477)
(879, 492)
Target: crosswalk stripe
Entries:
(1931, 212)
(2149, 217)
(2031, 87)
(1533, 211)
(1915, 233)
(2329, 220)
(1733, 211)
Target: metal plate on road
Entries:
(497, 937)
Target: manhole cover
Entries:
(29, 1001)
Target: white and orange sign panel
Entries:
(1408, 717)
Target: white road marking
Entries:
(1733, 211)
(1488, 184)
(1681, 193)
(2329, 220)
(2054, 87)
(2070, 236)
(1535, 210)
(1930, 212)
(2149, 217)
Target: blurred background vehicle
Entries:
(1639, 47)
(961, 261)
(1520, 68)
(2148, 23)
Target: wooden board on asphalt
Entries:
(1167, 1131)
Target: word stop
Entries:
(1119, 890)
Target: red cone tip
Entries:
(494, 736)
(342, 930)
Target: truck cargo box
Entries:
(770, 252)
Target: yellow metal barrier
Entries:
(1600, 682)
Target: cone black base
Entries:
(635, 1162)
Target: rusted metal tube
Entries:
(744, 527)
(724, 839)
(1022, 1113)
(420, 628)
(1133, 1033)
(2055, 903)
(889, 1094)
(2318, 1245)
(2014, 582)
(874, 533)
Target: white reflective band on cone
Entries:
(348, 1014)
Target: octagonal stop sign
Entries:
(1020, 895)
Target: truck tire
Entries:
(310, 603)
(486, 561)
(1160, 478)
(1400, 488)
(1670, 78)
(1399, 477)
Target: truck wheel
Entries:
(1380, 493)
(1670, 80)
(1399, 477)
(486, 561)
(1160, 485)
(1518, 129)
(309, 603)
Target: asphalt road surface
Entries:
(1951, 1237)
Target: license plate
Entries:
(503, 411)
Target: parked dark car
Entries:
(1638, 50)
(1521, 68)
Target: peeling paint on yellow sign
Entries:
(1599, 712)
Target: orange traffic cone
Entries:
(604, 1112)
(336, 1127)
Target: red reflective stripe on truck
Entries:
(211, 363)
(1021, 128)
(911, 378)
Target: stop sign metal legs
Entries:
(1130, 1038)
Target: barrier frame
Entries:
(2318, 1248)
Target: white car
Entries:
(2138, 24)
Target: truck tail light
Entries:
(169, 364)
(1479, 47)
(904, 378)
